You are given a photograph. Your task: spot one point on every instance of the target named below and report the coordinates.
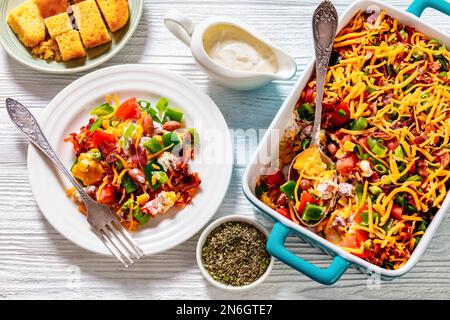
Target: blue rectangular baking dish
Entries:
(260, 162)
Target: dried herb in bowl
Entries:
(235, 253)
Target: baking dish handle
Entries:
(418, 6)
(328, 276)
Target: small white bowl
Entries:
(201, 242)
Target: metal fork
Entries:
(103, 221)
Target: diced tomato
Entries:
(392, 144)
(98, 137)
(350, 242)
(363, 141)
(374, 177)
(364, 255)
(365, 95)
(357, 218)
(106, 195)
(412, 170)
(340, 115)
(354, 241)
(346, 165)
(309, 95)
(276, 179)
(305, 198)
(361, 235)
(129, 110)
(284, 212)
(396, 212)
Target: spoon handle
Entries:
(325, 21)
(27, 124)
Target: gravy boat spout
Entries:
(231, 52)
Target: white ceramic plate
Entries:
(70, 109)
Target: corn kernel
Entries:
(143, 198)
(349, 146)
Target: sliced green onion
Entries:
(365, 218)
(435, 42)
(379, 150)
(398, 153)
(126, 205)
(388, 225)
(415, 177)
(403, 34)
(380, 168)
(401, 201)
(372, 142)
(359, 189)
(416, 54)
(144, 105)
(95, 154)
(359, 124)
(160, 176)
(375, 190)
(342, 113)
(422, 227)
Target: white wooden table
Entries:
(37, 262)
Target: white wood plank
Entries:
(37, 262)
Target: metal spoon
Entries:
(324, 24)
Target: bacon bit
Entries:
(435, 66)
(138, 155)
(109, 152)
(373, 18)
(422, 168)
(444, 158)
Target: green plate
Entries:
(95, 56)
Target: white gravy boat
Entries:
(194, 36)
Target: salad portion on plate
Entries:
(134, 158)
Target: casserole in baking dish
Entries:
(388, 67)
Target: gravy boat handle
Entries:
(180, 26)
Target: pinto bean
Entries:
(171, 125)
(305, 185)
(282, 200)
(332, 148)
(148, 126)
(422, 169)
(137, 175)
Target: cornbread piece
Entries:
(90, 23)
(70, 45)
(26, 21)
(49, 8)
(115, 13)
(47, 50)
(58, 24)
